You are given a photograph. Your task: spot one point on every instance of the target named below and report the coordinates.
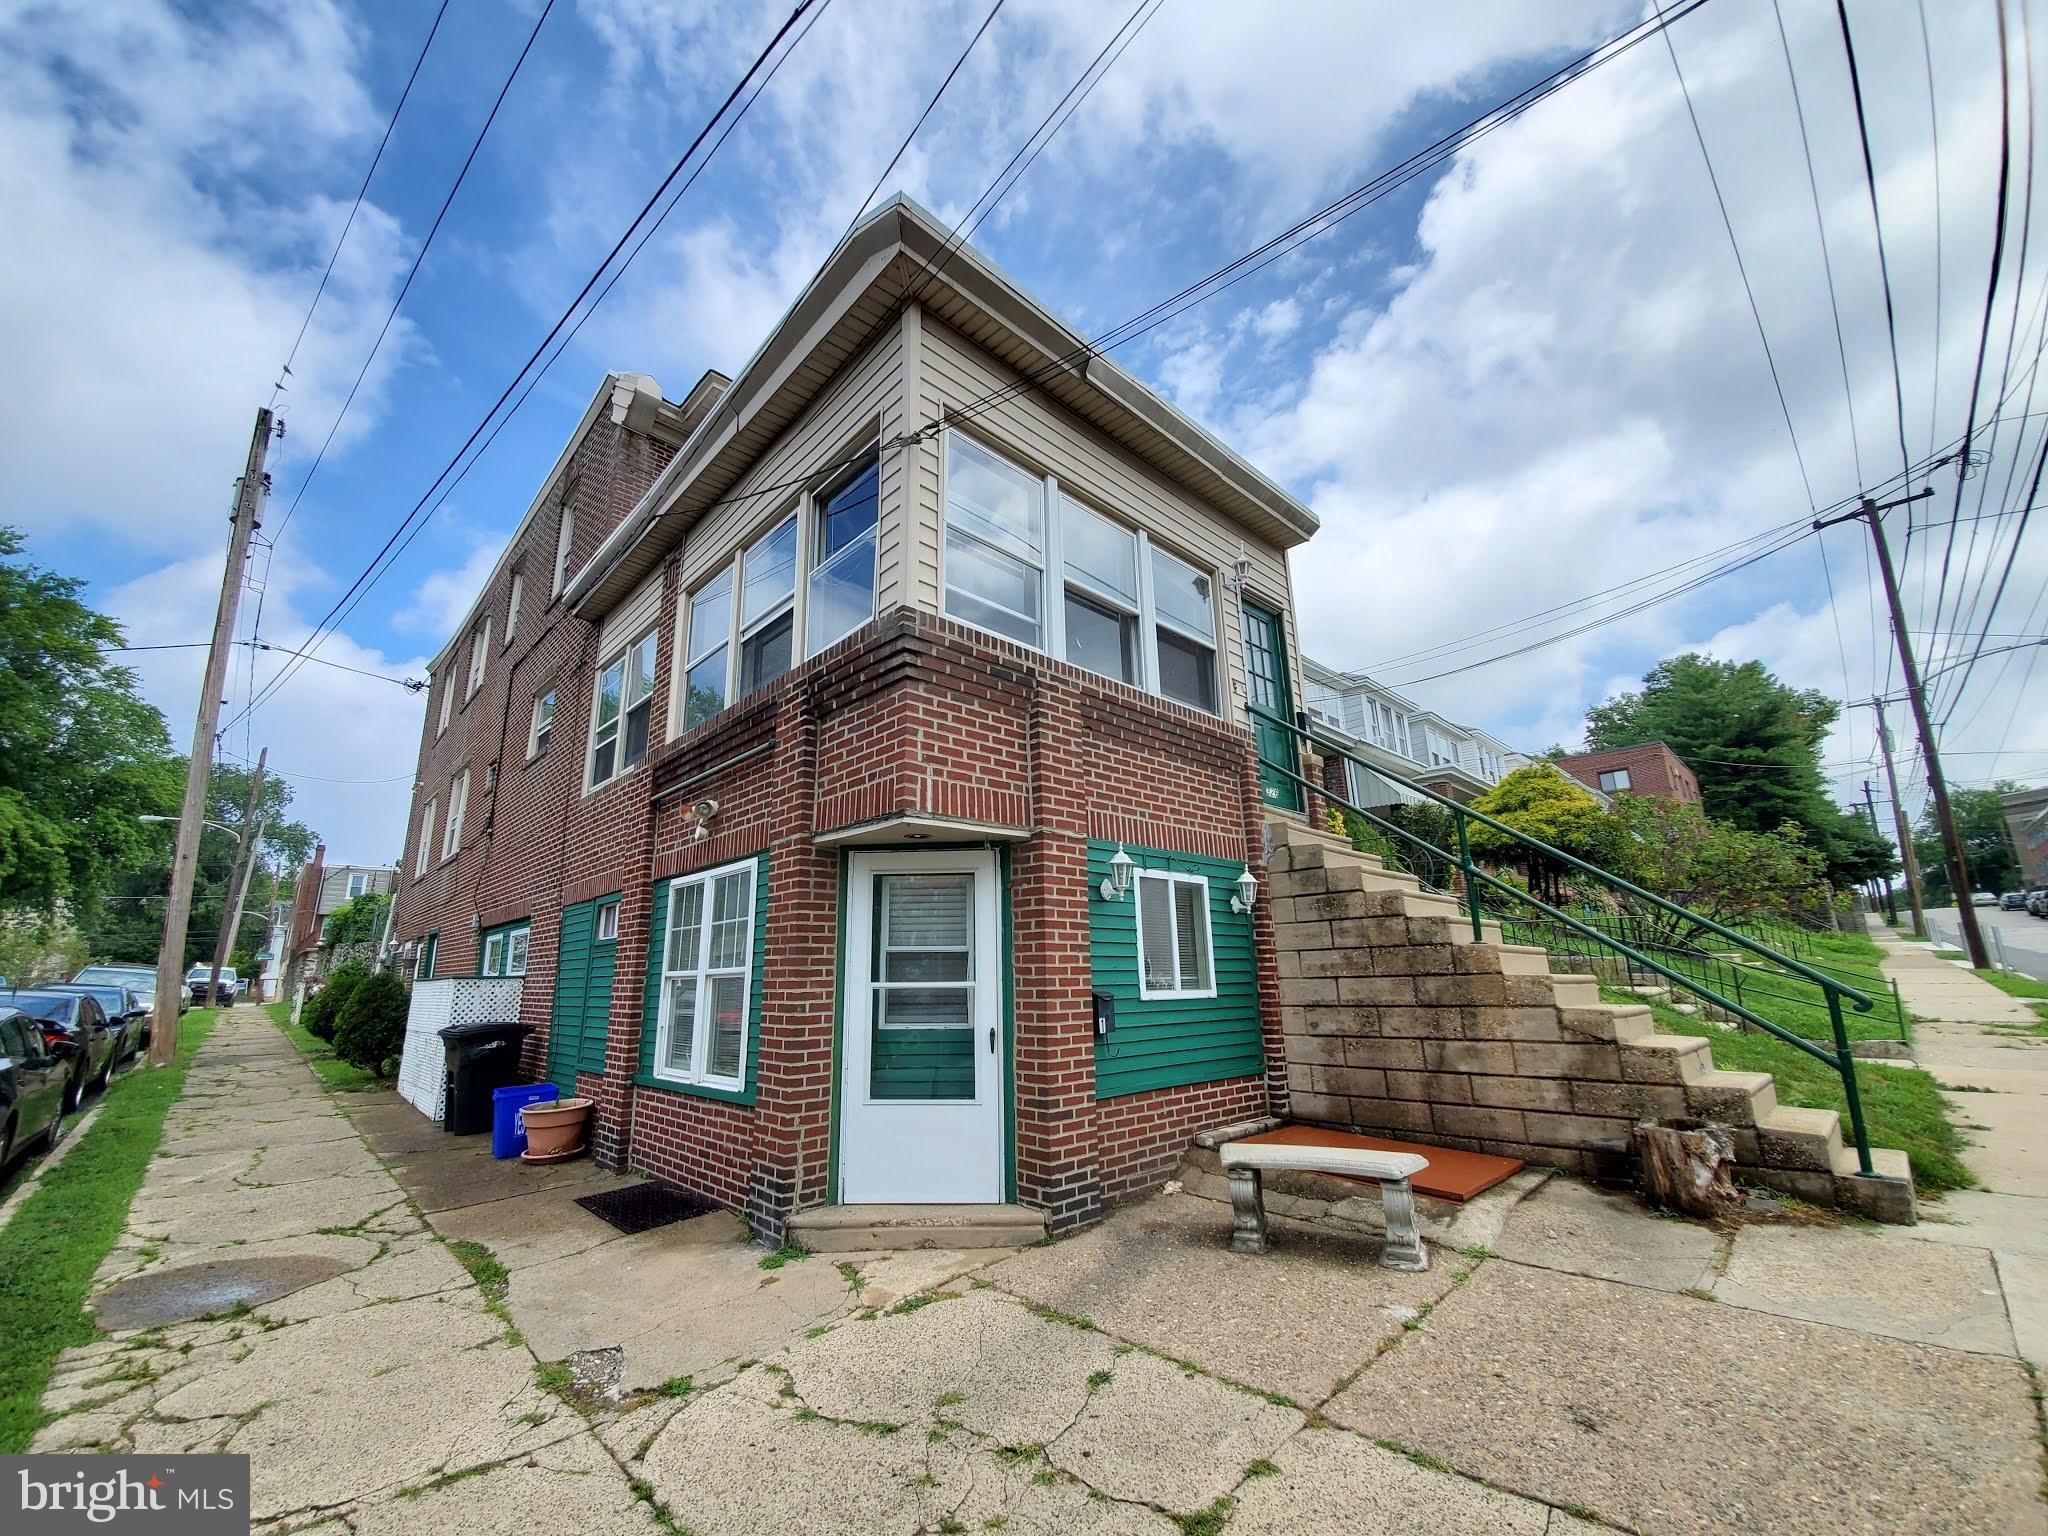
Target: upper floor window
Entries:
(625, 702)
(356, 885)
(1614, 780)
(479, 654)
(767, 605)
(565, 535)
(1441, 750)
(512, 601)
(447, 703)
(841, 595)
(421, 854)
(458, 809)
(543, 724)
(707, 649)
(1076, 584)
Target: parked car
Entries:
(200, 977)
(2037, 901)
(75, 1029)
(2013, 901)
(1984, 898)
(34, 1083)
(124, 1007)
(141, 977)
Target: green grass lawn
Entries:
(337, 1074)
(68, 1224)
(1902, 1107)
(2033, 993)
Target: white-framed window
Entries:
(357, 884)
(1442, 751)
(458, 807)
(1176, 949)
(447, 703)
(517, 942)
(505, 951)
(422, 855)
(565, 535)
(1614, 780)
(624, 705)
(707, 650)
(543, 724)
(512, 602)
(494, 955)
(608, 922)
(479, 656)
(841, 592)
(1076, 584)
(706, 978)
(767, 606)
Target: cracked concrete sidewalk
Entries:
(1580, 1365)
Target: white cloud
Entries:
(1279, 318)
(442, 599)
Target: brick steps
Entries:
(1398, 1022)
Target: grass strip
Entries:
(68, 1224)
(1902, 1107)
(336, 1074)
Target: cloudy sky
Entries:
(1530, 376)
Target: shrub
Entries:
(369, 1031)
(324, 1007)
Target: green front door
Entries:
(1265, 666)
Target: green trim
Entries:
(1009, 1059)
(650, 1005)
(838, 1034)
(1172, 1042)
(432, 944)
(504, 931)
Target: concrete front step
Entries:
(1733, 1098)
(865, 1228)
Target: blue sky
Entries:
(1531, 376)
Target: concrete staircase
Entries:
(1398, 1021)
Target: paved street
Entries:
(2023, 937)
(1589, 1363)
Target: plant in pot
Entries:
(555, 1129)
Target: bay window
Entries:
(768, 606)
(706, 978)
(841, 597)
(705, 649)
(625, 701)
(1033, 564)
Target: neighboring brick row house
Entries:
(317, 890)
(1652, 770)
(853, 760)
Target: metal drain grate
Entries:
(643, 1207)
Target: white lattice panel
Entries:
(422, 1080)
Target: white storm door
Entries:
(922, 1096)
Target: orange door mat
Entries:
(1451, 1175)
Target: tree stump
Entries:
(1686, 1166)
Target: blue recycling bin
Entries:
(508, 1132)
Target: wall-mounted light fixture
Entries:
(1117, 883)
(1247, 892)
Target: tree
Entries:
(369, 1029)
(359, 920)
(1980, 820)
(81, 755)
(1755, 744)
(1542, 803)
(1711, 868)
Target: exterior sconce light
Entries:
(1117, 883)
(1247, 892)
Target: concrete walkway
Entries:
(1977, 1042)
(1591, 1367)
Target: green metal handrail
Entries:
(1841, 1059)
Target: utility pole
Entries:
(1891, 895)
(1907, 856)
(238, 882)
(1871, 513)
(170, 960)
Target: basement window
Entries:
(1176, 951)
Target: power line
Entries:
(357, 207)
(1741, 268)
(1934, 138)
(413, 685)
(419, 256)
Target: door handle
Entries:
(991, 1039)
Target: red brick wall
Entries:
(1653, 769)
(911, 714)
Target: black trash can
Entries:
(481, 1058)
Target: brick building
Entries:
(2026, 823)
(853, 760)
(1650, 769)
(317, 890)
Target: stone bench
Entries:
(1244, 1163)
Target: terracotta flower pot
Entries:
(554, 1131)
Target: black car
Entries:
(75, 1028)
(125, 1007)
(34, 1088)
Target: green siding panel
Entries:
(569, 1020)
(650, 1015)
(597, 994)
(1172, 1042)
